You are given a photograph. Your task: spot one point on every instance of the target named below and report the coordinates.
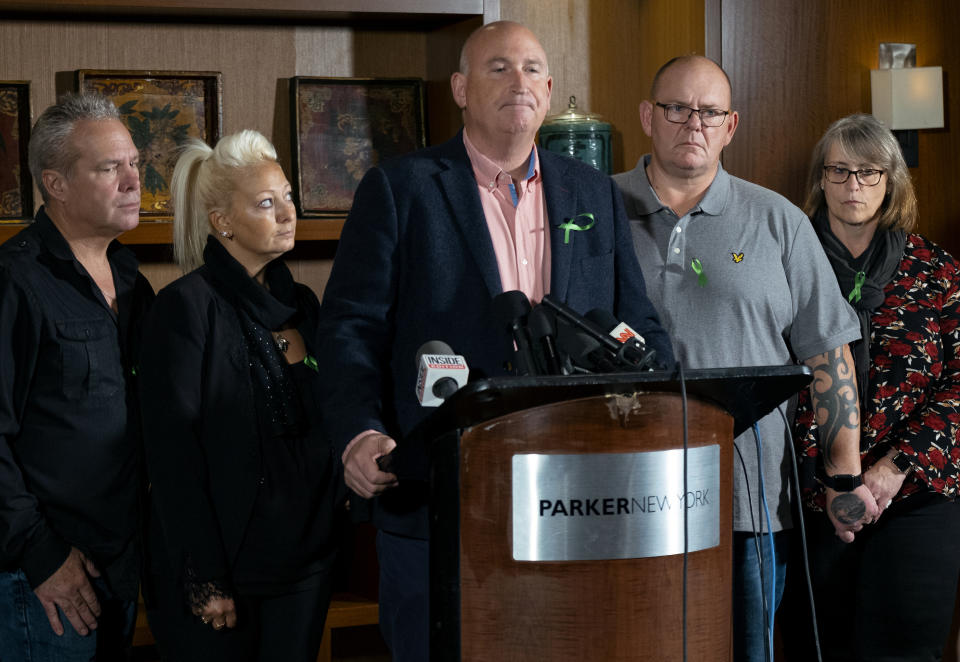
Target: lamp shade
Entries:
(910, 98)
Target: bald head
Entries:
(684, 148)
(503, 88)
(499, 30)
(686, 63)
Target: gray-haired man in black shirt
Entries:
(70, 300)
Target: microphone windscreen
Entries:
(508, 306)
(433, 347)
(542, 323)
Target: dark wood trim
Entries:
(161, 232)
(713, 30)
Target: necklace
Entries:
(282, 343)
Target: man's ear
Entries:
(55, 183)
(646, 117)
(458, 85)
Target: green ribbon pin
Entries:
(856, 293)
(698, 269)
(566, 226)
(311, 363)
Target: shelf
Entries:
(161, 232)
(431, 11)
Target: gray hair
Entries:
(50, 147)
(203, 180)
(864, 138)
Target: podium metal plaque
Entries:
(614, 505)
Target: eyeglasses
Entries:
(681, 114)
(866, 176)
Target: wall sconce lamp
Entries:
(906, 97)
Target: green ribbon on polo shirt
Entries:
(569, 225)
(698, 269)
(311, 363)
(857, 292)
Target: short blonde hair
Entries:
(203, 180)
(864, 138)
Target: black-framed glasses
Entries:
(678, 114)
(865, 176)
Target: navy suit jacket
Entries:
(415, 263)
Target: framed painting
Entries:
(162, 109)
(16, 185)
(344, 126)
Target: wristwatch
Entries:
(902, 462)
(842, 482)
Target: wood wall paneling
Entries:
(796, 66)
(605, 52)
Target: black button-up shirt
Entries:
(69, 426)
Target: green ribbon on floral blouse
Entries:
(567, 226)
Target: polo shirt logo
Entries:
(737, 257)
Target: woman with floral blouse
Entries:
(888, 595)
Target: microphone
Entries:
(440, 373)
(622, 332)
(543, 328)
(582, 353)
(510, 309)
(626, 356)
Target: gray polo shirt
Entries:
(740, 280)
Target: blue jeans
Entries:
(749, 633)
(26, 635)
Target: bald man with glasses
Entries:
(739, 279)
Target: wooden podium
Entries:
(553, 533)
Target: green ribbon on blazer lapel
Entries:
(570, 224)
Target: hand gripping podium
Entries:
(557, 509)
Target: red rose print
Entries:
(937, 459)
(885, 391)
(898, 348)
(918, 379)
(934, 422)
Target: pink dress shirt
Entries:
(516, 217)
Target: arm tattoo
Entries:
(848, 508)
(834, 395)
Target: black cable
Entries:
(803, 538)
(686, 541)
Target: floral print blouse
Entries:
(914, 389)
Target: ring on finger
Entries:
(217, 626)
(204, 620)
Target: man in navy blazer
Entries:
(417, 262)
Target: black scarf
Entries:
(260, 310)
(880, 262)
